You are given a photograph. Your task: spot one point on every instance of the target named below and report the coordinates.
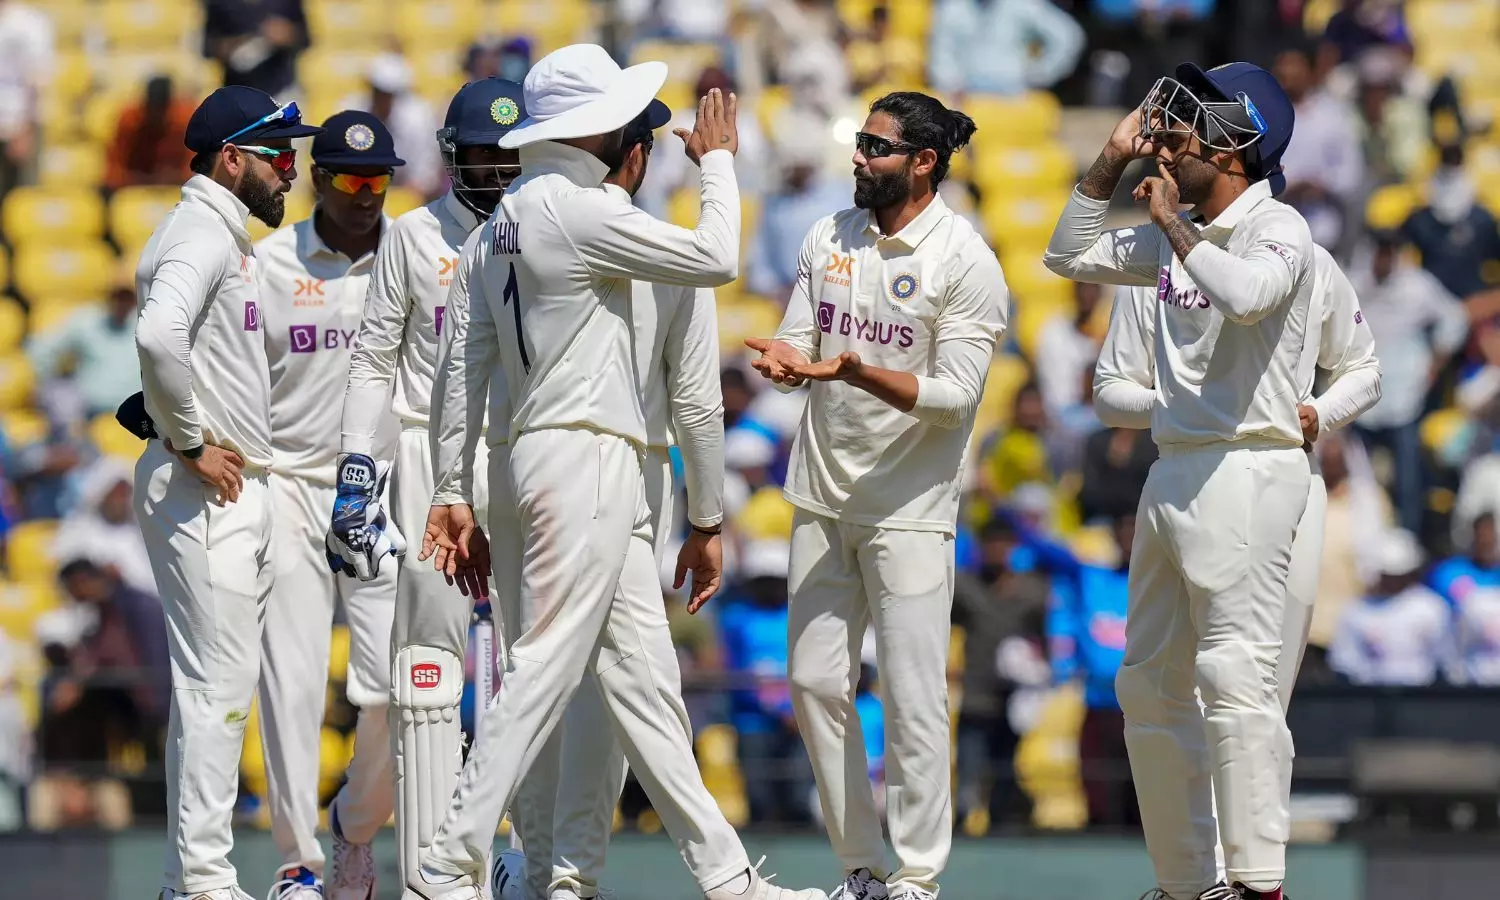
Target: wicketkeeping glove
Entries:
(361, 535)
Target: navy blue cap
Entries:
(482, 112)
(355, 138)
(1270, 108)
(230, 111)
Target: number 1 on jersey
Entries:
(512, 298)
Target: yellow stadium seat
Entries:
(682, 208)
(338, 652)
(678, 96)
(1008, 372)
(1027, 321)
(400, 201)
(333, 758)
(766, 516)
(1025, 169)
(770, 104)
(134, 212)
(71, 77)
(1450, 23)
(12, 325)
(110, 439)
(71, 165)
(52, 312)
(24, 427)
(1021, 220)
(4, 266)
(1025, 120)
(684, 60)
(336, 71)
(20, 606)
(456, 22)
(52, 215)
(70, 273)
(149, 24)
(549, 25)
(71, 20)
(1047, 762)
(17, 381)
(1031, 283)
(101, 113)
(1389, 206)
(716, 749)
(347, 23)
(746, 318)
(28, 550)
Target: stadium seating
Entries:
(112, 440)
(28, 551)
(68, 215)
(134, 212)
(52, 312)
(12, 325)
(17, 382)
(453, 23)
(150, 24)
(66, 272)
(347, 23)
(66, 165)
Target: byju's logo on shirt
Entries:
(252, 316)
(1167, 293)
(870, 331)
(438, 314)
(304, 338)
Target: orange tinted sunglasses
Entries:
(351, 184)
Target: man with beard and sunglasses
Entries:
(391, 371)
(894, 318)
(201, 490)
(1232, 296)
(314, 276)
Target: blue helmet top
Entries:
(1269, 107)
(482, 112)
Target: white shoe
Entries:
(912, 892)
(861, 884)
(353, 874)
(508, 875)
(224, 893)
(761, 888)
(425, 885)
(296, 883)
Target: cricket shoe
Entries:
(1217, 892)
(508, 875)
(761, 888)
(1248, 894)
(425, 885)
(912, 892)
(296, 883)
(353, 875)
(223, 893)
(861, 884)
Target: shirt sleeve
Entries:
(1347, 354)
(1125, 375)
(1450, 320)
(616, 239)
(973, 317)
(1246, 289)
(697, 404)
(189, 269)
(799, 328)
(1082, 250)
(468, 350)
(372, 365)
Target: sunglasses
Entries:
(873, 146)
(352, 184)
(288, 114)
(280, 160)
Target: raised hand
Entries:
(716, 128)
(1161, 195)
(1127, 142)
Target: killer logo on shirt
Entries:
(308, 292)
(840, 270)
(304, 339)
(447, 265)
(252, 316)
(1192, 298)
(246, 275)
(438, 313)
(870, 331)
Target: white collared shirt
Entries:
(396, 353)
(1230, 320)
(550, 296)
(203, 358)
(314, 301)
(930, 300)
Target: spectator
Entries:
(256, 41)
(1458, 577)
(147, 148)
(1116, 462)
(1392, 126)
(103, 529)
(410, 120)
(494, 58)
(1069, 348)
(1086, 641)
(1324, 170)
(1017, 454)
(88, 363)
(26, 61)
(39, 472)
(1072, 426)
(1153, 35)
(1004, 47)
(1417, 326)
(671, 172)
(753, 627)
(880, 56)
(1007, 599)
(804, 196)
(737, 394)
(1362, 25)
(1401, 632)
(803, 42)
(1456, 237)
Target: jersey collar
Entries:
(616, 190)
(917, 229)
(461, 214)
(1222, 226)
(578, 166)
(236, 215)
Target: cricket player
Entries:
(894, 318)
(567, 802)
(391, 370)
(550, 317)
(200, 490)
(1339, 378)
(1231, 301)
(313, 279)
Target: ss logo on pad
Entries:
(425, 676)
(356, 474)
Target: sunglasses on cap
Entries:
(288, 114)
(280, 160)
(351, 184)
(873, 146)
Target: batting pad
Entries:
(429, 684)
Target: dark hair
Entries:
(1302, 46)
(79, 566)
(637, 131)
(203, 163)
(925, 122)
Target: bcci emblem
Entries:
(904, 287)
(359, 137)
(505, 111)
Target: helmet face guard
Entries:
(480, 200)
(1171, 108)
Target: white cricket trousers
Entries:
(842, 577)
(214, 574)
(294, 648)
(586, 568)
(1207, 596)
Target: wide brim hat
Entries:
(579, 91)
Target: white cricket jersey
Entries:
(313, 302)
(930, 300)
(1230, 320)
(393, 361)
(457, 398)
(555, 285)
(203, 359)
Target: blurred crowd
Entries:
(1395, 164)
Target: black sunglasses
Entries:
(872, 146)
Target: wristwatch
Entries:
(193, 452)
(711, 532)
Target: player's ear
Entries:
(924, 162)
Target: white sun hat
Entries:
(579, 91)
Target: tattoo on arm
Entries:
(1183, 236)
(1103, 176)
